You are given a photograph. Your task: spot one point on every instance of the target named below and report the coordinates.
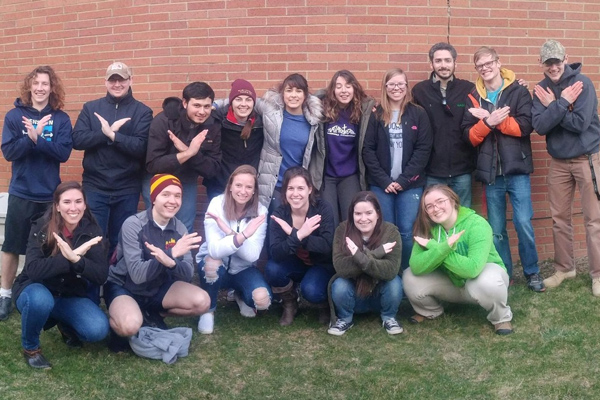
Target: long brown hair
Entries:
(251, 207)
(295, 81)
(332, 106)
(386, 107)
(424, 224)
(57, 91)
(292, 173)
(364, 283)
(56, 222)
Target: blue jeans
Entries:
(111, 211)
(460, 184)
(313, 279)
(187, 212)
(401, 210)
(244, 283)
(36, 304)
(386, 298)
(518, 188)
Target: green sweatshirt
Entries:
(466, 259)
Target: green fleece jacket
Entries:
(466, 259)
(375, 263)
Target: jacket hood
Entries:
(172, 107)
(19, 104)
(312, 109)
(464, 214)
(570, 71)
(507, 75)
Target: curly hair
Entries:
(332, 106)
(57, 91)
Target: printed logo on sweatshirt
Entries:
(169, 244)
(47, 133)
(343, 130)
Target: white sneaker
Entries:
(206, 324)
(246, 311)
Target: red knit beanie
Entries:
(159, 182)
(241, 87)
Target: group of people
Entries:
(355, 203)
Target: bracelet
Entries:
(244, 235)
(486, 123)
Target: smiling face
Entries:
(365, 218)
(344, 91)
(242, 188)
(440, 208)
(488, 68)
(293, 98)
(71, 206)
(297, 193)
(396, 88)
(40, 91)
(198, 110)
(554, 68)
(242, 107)
(443, 65)
(166, 204)
(117, 86)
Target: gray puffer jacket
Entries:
(270, 156)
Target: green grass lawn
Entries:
(553, 354)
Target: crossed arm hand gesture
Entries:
(109, 130)
(74, 255)
(32, 132)
(184, 244)
(187, 152)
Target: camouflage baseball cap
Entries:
(552, 49)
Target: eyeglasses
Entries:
(114, 81)
(399, 85)
(553, 62)
(439, 203)
(486, 65)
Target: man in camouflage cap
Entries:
(565, 111)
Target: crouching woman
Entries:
(65, 252)
(367, 254)
(154, 265)
(455, 261)
(235, 229)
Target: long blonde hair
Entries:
(386, 107)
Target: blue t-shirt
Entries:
(342, 158)
(293, 138)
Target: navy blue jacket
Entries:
(35, 166)
(114, 168)
(416, 147)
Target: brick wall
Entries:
(172, 43)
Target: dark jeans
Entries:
(313, 279)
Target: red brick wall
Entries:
(172, 43)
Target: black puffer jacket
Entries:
(58, 274)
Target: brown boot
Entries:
(290, 306)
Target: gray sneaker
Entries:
(6, 306)
(392, 326)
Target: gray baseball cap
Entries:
(552, 49)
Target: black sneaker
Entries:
(154, 320)
(6, 306)
(118, 344)
(340, 327)
(392, 326)
(535, 283)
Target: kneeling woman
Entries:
(300, 238)
(235, 229)
(367, 253)
(154, 265)
(65, 251)
(454, 260)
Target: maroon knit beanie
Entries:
(159, 182)
(241, 87)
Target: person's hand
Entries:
(196, 142)
(523, 82)
(118, 124)
(546, 96)
(572, 92)
(284, 225)
(309, 226)
(454, 238)
(253, 225)
(179, 145)
(160, 255)
(480, 113)
(393, 187)
(186, 243)
(65, 249)
(351, 246)
(498, 115)
(421, 241)
(105, 127)
(220, 223)
(388, 247)
(32, 132)
(81, 250)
